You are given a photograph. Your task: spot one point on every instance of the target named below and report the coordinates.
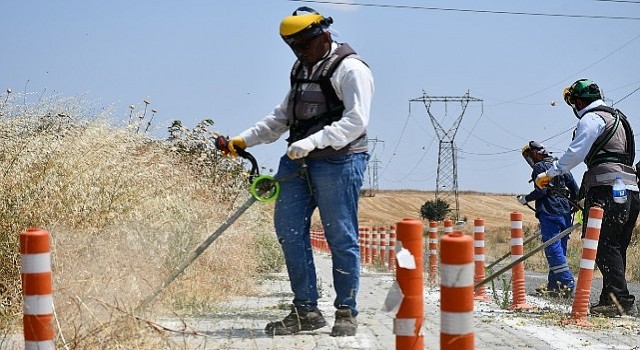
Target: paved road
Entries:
(241, 324)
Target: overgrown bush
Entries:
(123, 211)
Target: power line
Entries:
(404, 127)
(558, 134)
(474, 125)
(490, 154)
(424, 154)
(515, 149)
(574, 74)
(407, 7)
(622, 1)
(629, 94)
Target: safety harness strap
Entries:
(335, 105)
(599, 156)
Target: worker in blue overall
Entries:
(554, 212)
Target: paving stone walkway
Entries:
(241, 325)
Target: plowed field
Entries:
(388, 207)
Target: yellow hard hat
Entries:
(291, 25)
(303, 25)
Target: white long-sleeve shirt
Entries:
(352, 82)
(589, 128)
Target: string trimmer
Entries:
(263, 188)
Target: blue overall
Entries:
(554, 214)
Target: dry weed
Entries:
(123, 211)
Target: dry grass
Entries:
(389, 207)
(123, 211)
(498, 243)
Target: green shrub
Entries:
(435, 210)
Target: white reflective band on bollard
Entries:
(36, 263)
(594, 223)
(38, 304)
(590, 244)
(587, 264)
(456, 275)
(404, 327)
(456, 322)
(39, 345)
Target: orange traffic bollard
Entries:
(585, 276)
(367, 248)
(383, 247)
(407, 326)
(433, 252)
(392, 247)
(374, 245)
(325, 243)
(361, 244)
(519, 301)
(479, 272)
(456, 292)
(314, 238)
(448, 226)
(37, 289)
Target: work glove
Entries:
(301, 148)
(234, 142)
(542, 180)
(521, 199)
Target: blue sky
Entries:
(225, 61)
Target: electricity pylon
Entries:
(447, 175)
(372, 170)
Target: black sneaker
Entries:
(345, 324)
(613, 310)
(296, 321)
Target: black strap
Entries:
(597, 156)
(335, 107)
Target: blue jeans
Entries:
(335, 184)
(560, 275)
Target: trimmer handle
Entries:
(222, 145)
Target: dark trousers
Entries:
(615, 235)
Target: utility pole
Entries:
(372, 169)
(447, 173)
